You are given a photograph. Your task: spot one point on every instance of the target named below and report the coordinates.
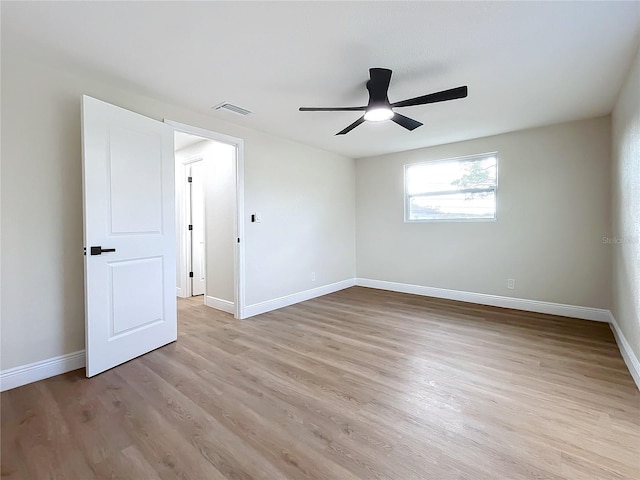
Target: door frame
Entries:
(238, 214)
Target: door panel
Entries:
(143, 276)
(135, 155)
(128, 187)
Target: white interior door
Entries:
(198, 263)
(129, 234)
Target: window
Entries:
(462, 189)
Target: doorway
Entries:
(209, 182)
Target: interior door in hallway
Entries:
(198, 262)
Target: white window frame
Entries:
(478, 157)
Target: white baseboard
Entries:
(574, 311)
(267, 306)
(628, 355)
(220, 304)
(179, 292)
(18, 376)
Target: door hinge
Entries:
(190, 227)
(190, 274)
(238, 240)
(189, 179)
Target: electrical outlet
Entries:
(511, 283)
(313, 276)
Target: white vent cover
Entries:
(232, 108)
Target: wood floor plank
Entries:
(43, 436)
(168, 452)
(357, 385)
(12, 463)
(196, 426)
(130, 463)
(97, 436)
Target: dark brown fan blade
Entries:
(331, 109)
(452, 94)
(352, 126)
(406, 122)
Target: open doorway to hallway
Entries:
(206, 205)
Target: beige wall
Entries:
(625, 303)
(220, 207)
(553, 210)
(306, 197)
(304, 225)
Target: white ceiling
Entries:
(526, 63)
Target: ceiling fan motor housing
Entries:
(378, 86)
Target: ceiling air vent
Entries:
(229, 107)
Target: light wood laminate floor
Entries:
(359, 384)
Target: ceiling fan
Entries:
(379, 108)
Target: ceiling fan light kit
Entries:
(379, 109)
(378, 114)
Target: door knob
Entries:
(100, 250)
